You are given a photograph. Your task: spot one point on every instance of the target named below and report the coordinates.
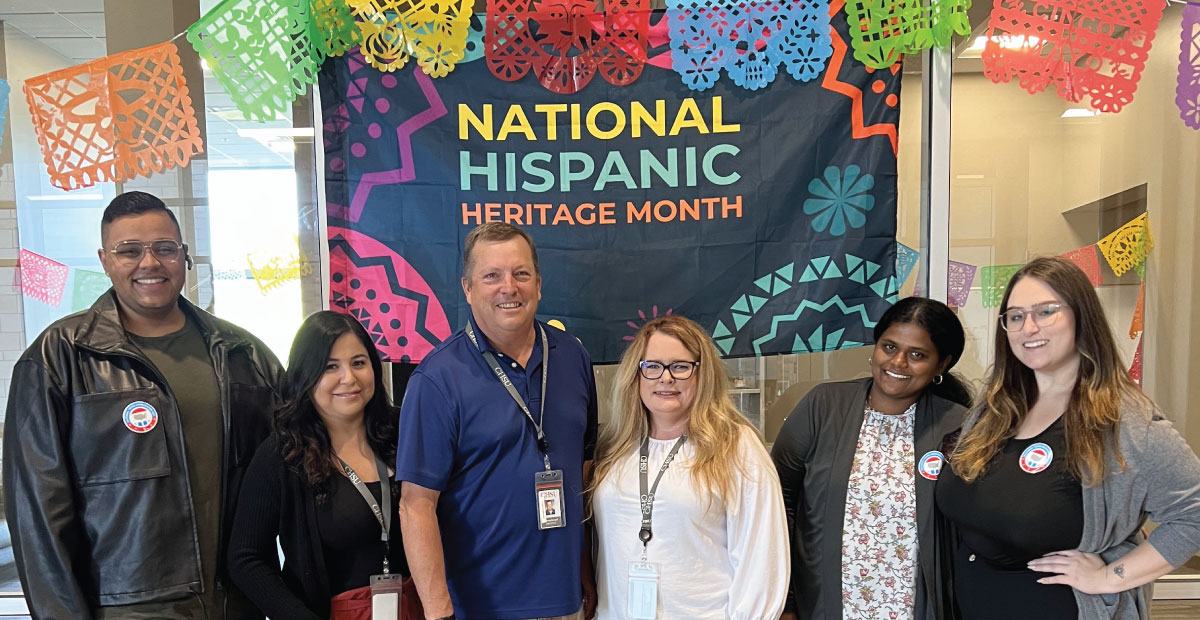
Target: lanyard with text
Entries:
(543, 445)
(383, 515)
(548, 484)
(647, 496)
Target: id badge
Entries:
(643, 591)
(548, 489)
(385, 596)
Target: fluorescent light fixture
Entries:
(1079, 113)
(270, 133)
(68, 196)
(1005, 41)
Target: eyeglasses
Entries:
(680, 371)
(164, 251)
(1044, 315)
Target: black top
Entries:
(277, 501)
(350, 536)
(1008, 517)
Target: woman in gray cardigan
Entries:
(857, 461)
(1058, 467)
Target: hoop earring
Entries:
(938, 380)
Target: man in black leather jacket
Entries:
(128, 429)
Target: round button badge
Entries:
(1036, 458)
(140, 417)
(931, 464)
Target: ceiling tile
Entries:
(41, 25)
(91, 23)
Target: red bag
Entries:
(356, 604)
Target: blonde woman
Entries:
(698, 532)
(1059, 466)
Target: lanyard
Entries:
(647, 497)
(383, 515)
(543, 445)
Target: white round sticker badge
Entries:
(140, 417)
(1036, 458)
(931, 464)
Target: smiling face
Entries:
(903, 364)
(503, 288)
(1045, 349)
(667, 399)
(149, 288)
(347, 384)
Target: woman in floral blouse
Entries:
(857, 461)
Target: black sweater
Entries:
(276, 501)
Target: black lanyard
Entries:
(543, 445)
(383, 515)
(647, 497)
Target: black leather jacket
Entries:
(101, 515)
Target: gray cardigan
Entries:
(1161, 481)
(813, 455)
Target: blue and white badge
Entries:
(931, 465)
(1036, 458)
(140, 417)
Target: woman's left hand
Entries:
(1086, 572)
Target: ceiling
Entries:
(74, 29)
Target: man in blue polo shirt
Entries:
(497, 429)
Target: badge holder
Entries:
(385, 596)
(548, 490)
(643, 590)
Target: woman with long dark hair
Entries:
(317, 482)
(857, 461)
(1059, 465)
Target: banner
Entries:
(766, 216)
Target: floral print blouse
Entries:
(879, 536)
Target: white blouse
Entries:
(727, 561)
(879, 542)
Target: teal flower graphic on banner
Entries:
(841, 198)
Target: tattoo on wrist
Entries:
(1119, 570)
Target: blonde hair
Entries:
(714, 424)
(1102, 389)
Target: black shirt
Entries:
(1008, 517)
(350, 536)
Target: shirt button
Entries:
(972, 558)
(514, 364)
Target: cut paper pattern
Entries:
(1127, 246)
(41, 278)
(393, 31)
(892, 28)
(884, 91)
(1138, 324)
(86, 286)
(841, 199)
(270, 273)
(1083, 48)
(560, 44)
(259, 51)
(1087, 260)
(748, 40)
(959, 277)
(331, 29)
(1187, 89)
(906, 260)
(993, 279)
(115, 118)
(4, 91)
(1135, 369)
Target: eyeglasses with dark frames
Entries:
(680, 371)
(164, 251)
(1043, 314)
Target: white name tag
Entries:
(643, 591)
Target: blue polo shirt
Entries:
(462, 434)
